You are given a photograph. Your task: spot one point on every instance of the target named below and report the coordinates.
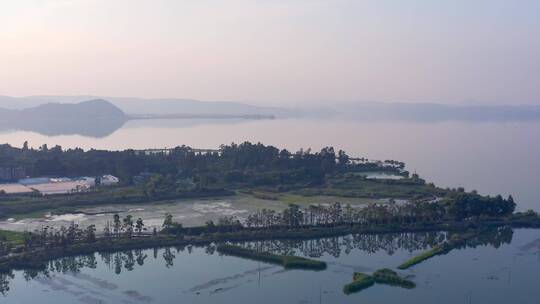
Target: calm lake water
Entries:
(491, 157)
(500, 268)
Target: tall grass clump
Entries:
(360, 282)
(390, 277)
(287, 261)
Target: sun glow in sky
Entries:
(274, 51)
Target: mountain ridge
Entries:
(366, 111)
(93, 118)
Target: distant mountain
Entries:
(161, 106)
(90, 118)
(99, 118)
(95, 110)
(430, 112)
(364, 111)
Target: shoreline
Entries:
(36, 258)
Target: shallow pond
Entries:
(501, 267)
(189, 212)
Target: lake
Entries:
(499, 267)
(491, 157)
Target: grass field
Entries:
(12, 237)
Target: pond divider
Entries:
(287, 261)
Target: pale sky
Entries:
(274, 51)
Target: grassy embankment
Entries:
(436, 250)
(384, 276)
(349, 187)
(287, 261)
(440, 249)
(360, 282)
(15, 238)
(352, 186)
(390, 277)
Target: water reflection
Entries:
(65, 126)
(103, 128)
(387, 243)
(128, 260)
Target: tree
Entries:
(91, 233)
(343, 159)
(168, 222)
(72, 233)
(128, 225)
(116, 224)
(292, 216)
(107, 230)
(139, 226)
(210, 226)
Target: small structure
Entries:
(57, 185)
(14, 189)
(109, 180)
(12, 173)
(34, 181)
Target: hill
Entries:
(156, 106)
(90, 118)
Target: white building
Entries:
(109, 180)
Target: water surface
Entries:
(491, 157)
(501, 267)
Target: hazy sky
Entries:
(276, 51)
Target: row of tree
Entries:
(242, 163)
(49, 236)
(457, 206)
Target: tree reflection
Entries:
(5, 278)
(389, 243)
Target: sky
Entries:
(274, 51)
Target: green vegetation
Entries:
(261, 171)
(49, 243)
(245, 164)
(351, 185)
(440, 249)
(436, 250)
(11, 237)
(386, 276)
(9, 240)
(360, 282)
(286, 261)
(265, 172)
(390, 277)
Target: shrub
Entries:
(360, 282)
(390, 277)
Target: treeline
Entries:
(255, 164)
(455, 207)
(49, 236)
